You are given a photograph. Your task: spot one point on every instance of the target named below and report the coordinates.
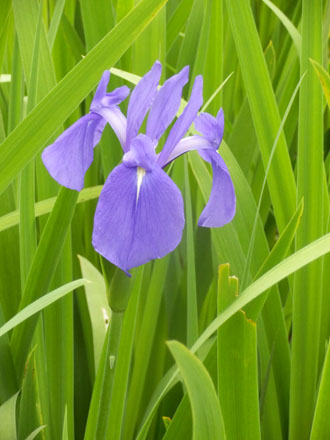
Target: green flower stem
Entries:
(119, 293)
(113, 340)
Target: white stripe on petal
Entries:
(140, 174)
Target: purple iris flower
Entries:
(70, 156)
(140, 215)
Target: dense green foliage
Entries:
(225, 338)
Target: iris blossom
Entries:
(140, 215)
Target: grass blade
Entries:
(321, 426)
(98, 306)
(294, 33)
(143, 345)
(34, 434)
(251, 244)
(206, 413)
(8, 384)
(192, 309)
(45, 207)
(282, 246)
(307, 295)
(42, 269)
(97, 20)
(8, 418)
(237, 365)
(40, 304)
(28, 419)
(324, 78)
(264, 110)
(55, 22)
(27, 227)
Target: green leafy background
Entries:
(225, 338)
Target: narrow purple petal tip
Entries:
(166, 104)
(183, 123)
(101, 89)
(140, 101)
(221, 207)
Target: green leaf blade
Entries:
(207, 418)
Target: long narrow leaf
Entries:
(307, 295)
(264, 109)
(41, 304)
(207, 418)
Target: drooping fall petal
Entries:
(134, 225)
(70, 156)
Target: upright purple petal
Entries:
(141, 100)
(183, 123)
(101, 89)
(220, 208)
(166, 104)
(210, 127)
(132, 227)
(69, 157)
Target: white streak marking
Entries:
(140, 174)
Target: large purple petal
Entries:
(166, 104)
(69, 157)
(220, 208)
(141, 100)
(132, 227)
(141, 154)
(183, 123)
(210, 127)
